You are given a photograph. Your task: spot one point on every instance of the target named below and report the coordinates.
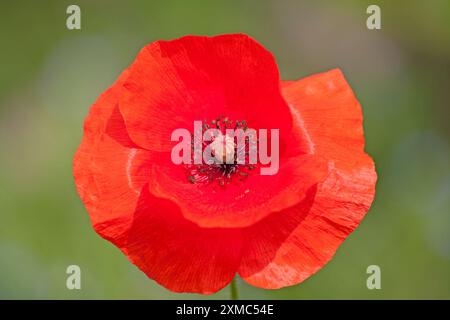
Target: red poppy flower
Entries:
(192, 228)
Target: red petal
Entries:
(109, 170)
(240, 204)
(326, 106)
(177, 253)
(173, 83)
(289, 246)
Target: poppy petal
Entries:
(289, 246)
(177, 253)
(174, 83)
(109, 170)
(243, 203)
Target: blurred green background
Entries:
(50, 76)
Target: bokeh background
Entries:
(49, 77)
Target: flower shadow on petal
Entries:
(203, 260)
(176, 252)
(264, 238)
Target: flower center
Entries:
(225, 151)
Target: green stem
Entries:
(234, 290)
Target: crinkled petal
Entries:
(289, 246)
(109, 169)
